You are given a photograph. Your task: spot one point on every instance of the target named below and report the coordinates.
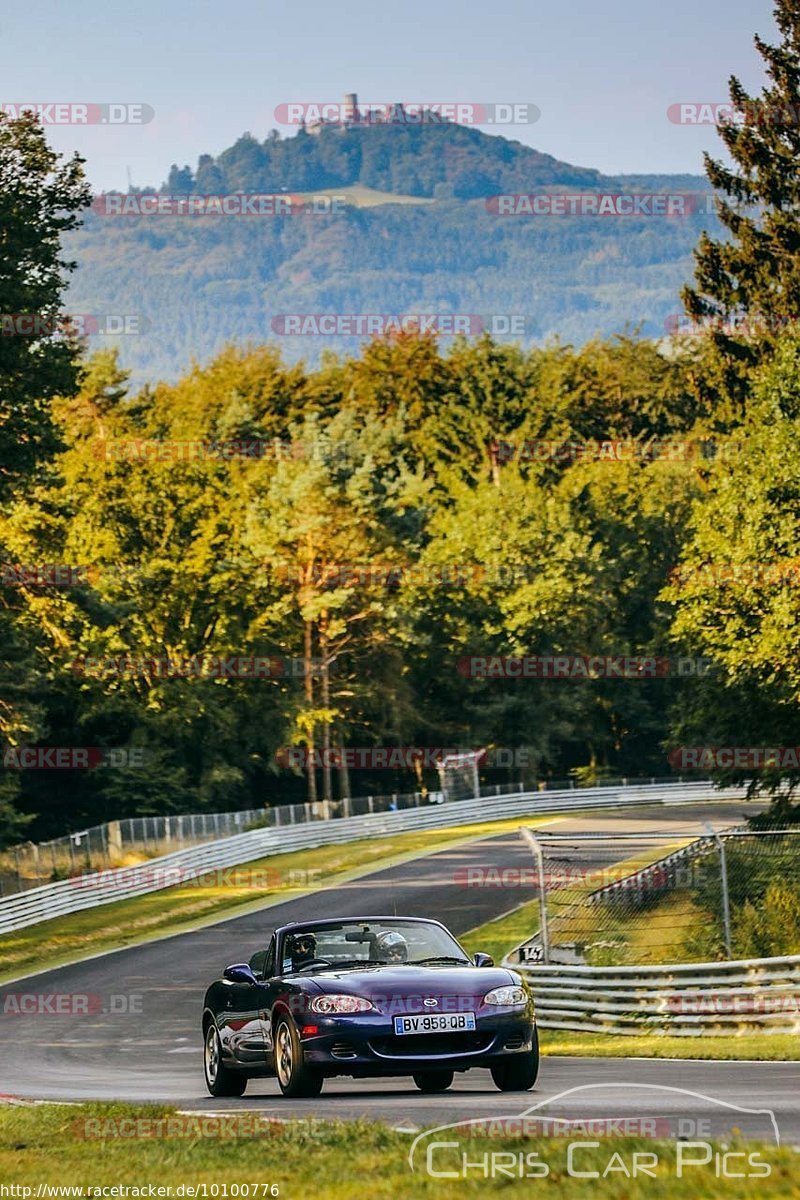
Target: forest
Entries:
(265, 580)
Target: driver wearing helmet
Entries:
(392, 947)
(302, 949)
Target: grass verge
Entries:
(764, 1047)
(84, 1146)
(218, 895)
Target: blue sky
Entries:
(603, 75)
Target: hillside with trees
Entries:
(196, 283)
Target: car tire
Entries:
(433, 1081)
(220, 1080)
(295, 1078)
(518, 1073)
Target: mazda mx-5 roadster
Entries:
(367, 997)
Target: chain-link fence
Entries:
(127, 841)
(651, 898)
(124, 842)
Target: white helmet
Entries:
(392, 946)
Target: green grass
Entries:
(675, 913)
(199, 902)
(502, 935)
(765, 1047)
(48, 1144)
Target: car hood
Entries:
(385, 986)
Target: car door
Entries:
(271, 985)
(240, 1024)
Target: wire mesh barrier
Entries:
(52, 900)
(650, 898)
(129, 840)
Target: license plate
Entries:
(436, 1023)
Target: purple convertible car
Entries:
(367, 997)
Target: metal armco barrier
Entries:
(88, 891)
(759, 995)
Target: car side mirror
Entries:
(483, 960)
(239, 973)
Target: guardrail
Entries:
(686, 1000)
(657, 876)
(88, 891)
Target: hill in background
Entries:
(413, 234)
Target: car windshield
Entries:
(354, 944)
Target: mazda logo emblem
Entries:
(429, 1002)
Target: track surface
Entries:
(150, 1048)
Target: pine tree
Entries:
(754, 275)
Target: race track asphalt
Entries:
(141, 1039)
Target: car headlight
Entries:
(341, 1004)
(512, 996)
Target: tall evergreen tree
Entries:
(754, 274)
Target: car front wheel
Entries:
(518, 1073)
(220, 1080)
(295, 1077)
(433, 1081)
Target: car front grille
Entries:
(426, 1044)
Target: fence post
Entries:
(726, 903)
(538, 854)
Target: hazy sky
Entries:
(602, 74)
